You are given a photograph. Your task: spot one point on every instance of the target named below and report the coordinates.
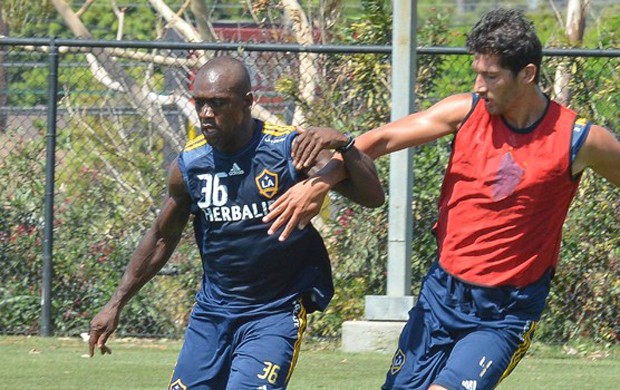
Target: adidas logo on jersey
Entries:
(235, 170)
(469, 384)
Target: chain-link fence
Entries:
(122, 113)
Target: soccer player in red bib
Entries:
(516, 162)
(245, 328)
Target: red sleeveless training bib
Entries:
(505, 197)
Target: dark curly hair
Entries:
(510, 35)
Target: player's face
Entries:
(222, 110)
(497, 86)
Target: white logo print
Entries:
(469, 384)
(235, 170)
(485, 365)
(296, 311)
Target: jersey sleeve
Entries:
(288, 134)
(581, 129)
(288, 152)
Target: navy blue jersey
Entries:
(244, 267)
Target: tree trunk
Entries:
(576, 21)
(574, 28)
(107, 71)
(203, 24)
(140, 98)
(308, 72)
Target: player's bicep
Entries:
(418, 128)
(176, 208)
(600, 152)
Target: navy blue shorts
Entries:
(462, 336)
(246, 351)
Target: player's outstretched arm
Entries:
(150, 256)
(362, 184)
(356, 178)
(312, 140)
(302, 202)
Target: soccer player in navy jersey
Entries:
(515, 166)
(245, 329)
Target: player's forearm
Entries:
(332, 173)
(352, 174)
(152, 254)
(362, 185)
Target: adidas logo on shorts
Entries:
(469, 384)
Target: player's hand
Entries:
(101, 327)
(297, 206)
(310, 141)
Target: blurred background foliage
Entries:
(111, 177)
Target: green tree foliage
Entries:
(104, 200)
(35, 18)
(140, 21)
(21, 217)
(28, 18)
(587, 275)
(110, 179)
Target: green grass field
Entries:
(57, 363)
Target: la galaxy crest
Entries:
(397, 362)
(178, 385)
(267, 183)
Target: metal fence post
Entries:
(398, 300)
(404, 44)
(48, 242)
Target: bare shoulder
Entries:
(459, 100)
(455, 107)
(447, 114)
(601, 153)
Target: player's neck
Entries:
(527, 109)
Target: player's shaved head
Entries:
(230, 70)
(223, 100)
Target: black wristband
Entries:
(348, 145)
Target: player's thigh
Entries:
(423, 348)
(481, 359)
(204, 359)
(262, 364)
(266, 350)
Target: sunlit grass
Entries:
(61, 363)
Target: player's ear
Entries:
(528, 74)
(249, 99)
